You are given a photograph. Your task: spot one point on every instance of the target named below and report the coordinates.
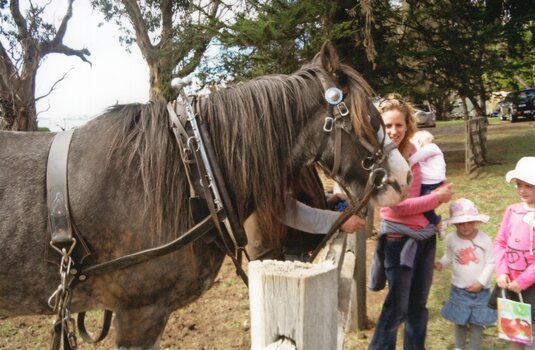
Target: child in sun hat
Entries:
(514, 246)
(469, 251)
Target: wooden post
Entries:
(293, 300)
(359, 316)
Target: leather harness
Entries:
(208, 195)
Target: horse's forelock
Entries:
(359, 92)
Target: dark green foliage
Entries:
(426, 50)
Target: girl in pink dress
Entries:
(514, 247)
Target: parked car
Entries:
(424, 113)
(426, 116)
(522, 104)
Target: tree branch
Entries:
(53, 87)
(7, 69)
(140, 27)
(61, 48)
(63, 26)
(19, 20)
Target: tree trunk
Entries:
(156, 83)
(25, 119)
(475, 103)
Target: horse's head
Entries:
(347, 136)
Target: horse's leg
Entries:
(140, 327)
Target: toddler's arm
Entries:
(424, 153)
(486, 273)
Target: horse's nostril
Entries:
(409, 178)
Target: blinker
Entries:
(334, 96)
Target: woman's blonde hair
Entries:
(394, 101)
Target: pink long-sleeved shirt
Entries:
(410, 211)
(514, 247)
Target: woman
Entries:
(406, 247)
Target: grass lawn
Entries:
(487, 188)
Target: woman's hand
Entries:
(438, 266)
(353, 224)
(444, 193)
(503, 281)
(336, 197)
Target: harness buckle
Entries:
(342, 109)
(328, 124)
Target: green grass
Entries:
(441, 123)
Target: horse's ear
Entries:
(328, 57)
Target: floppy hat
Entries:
(524, 170)
(464, 210)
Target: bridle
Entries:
(337, 120)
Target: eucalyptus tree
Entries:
(26, 38)
(173, 36)
(279, 36)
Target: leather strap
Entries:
(106, 323)
(57, 189)
(196, 232)
(337, 148)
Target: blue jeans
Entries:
(406, 299)
(431, 215)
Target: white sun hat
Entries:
(464, 210)
(524, 170)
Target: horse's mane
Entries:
(253, 126)
(144, 143)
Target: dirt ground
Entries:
(218, 320)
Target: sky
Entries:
(115, 75)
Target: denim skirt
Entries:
(464, 307)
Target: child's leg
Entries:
(460, 336)
(431, 215)
(476, 334)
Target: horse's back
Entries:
(23, 158)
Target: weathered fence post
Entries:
(293, 300)
(359, 315)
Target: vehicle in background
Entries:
(522, 104)
(425, 115)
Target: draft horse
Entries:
(128, 190)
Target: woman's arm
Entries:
(421, 204)
(313, 220)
